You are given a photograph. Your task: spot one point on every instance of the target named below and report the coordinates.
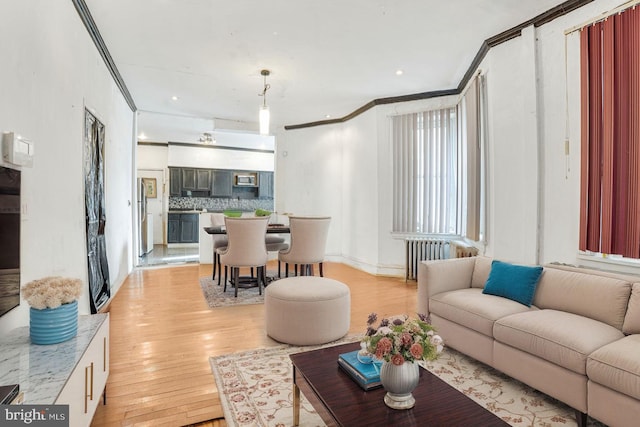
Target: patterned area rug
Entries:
(216, 298)
(256, 390)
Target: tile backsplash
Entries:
(218, 205)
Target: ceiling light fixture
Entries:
(264, 109)
(175, 98)
(207, 139)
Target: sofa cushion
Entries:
(590, 295)
(516, 282)
(617, 366)
(565, 339)
(481, 271)
(473, 309)
(632, 318)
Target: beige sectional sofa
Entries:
(578, 342)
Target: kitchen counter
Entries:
(196, 211)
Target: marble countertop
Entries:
(42, 370)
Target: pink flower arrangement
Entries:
(400, 339)
(51, 292)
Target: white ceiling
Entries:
(326, 57)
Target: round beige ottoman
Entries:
(307, 310)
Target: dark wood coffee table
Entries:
(341, 402)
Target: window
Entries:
(439, 169)
(610, 136)
(425, 160)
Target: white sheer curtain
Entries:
(425, 158)
(471, 161)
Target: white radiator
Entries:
(423, 250)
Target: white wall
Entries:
(345, 170)
(309, 177)
(50, 71)
(533, 202)
(217, 158)
(513, 140)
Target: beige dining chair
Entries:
(276, 244)
(220, 241)
(308, 243)
(246, 248)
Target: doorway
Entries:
(157, 204)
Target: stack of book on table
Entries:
(366, 375)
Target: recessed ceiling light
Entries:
(399, 72)
(328, 116)
(142, 136)
(175, 98)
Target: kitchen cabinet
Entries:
(175, 181)
(203, 179)
(182, 228)
(221, 183)
(265, 185)
(188, 179)
(196, 180)
(189, 228)
(173, 228)
(88, 380)
(200, 182)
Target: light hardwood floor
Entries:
(163, 333)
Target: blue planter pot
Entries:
(53, 325)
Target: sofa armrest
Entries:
(439, 276)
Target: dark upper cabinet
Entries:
(221, 183)
(175, 181)
(200, 182)
(189, 179)
(265, 185)
(203, 179)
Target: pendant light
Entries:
(264, 109)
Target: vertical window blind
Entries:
(425, 157)
(440, 168)
(610, 135)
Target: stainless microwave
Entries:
(250, 180)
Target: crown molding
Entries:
(543, 18)
(94, 33)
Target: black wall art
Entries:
(99, 288)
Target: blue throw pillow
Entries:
(516, 282)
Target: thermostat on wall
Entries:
(17, 150)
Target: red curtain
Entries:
(610, 135)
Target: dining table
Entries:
(271, 229)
